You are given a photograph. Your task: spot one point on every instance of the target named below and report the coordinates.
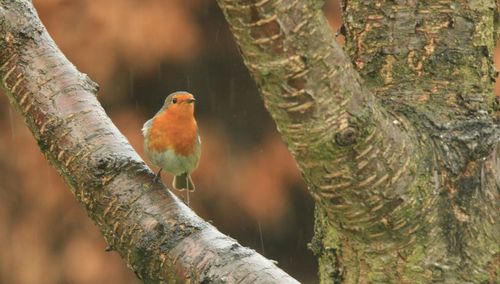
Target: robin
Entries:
(172, 141)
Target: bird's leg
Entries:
(187, 189)
(157, 177)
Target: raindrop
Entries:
(261, 239)
(160, 72)
(131, 78)
(231, 92)
(213, 95)
(206, 11)
(48, 177)
(217, 34)
(11, 122)
(188, 82)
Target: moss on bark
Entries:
(402, 165)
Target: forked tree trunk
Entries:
(404, 164)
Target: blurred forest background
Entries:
(139, 52)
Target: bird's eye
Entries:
(174, 100)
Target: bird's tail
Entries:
(182, 182)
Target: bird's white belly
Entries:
(172, 163)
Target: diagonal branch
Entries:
(160, 238)
(355, 156)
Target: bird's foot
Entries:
(157, 177)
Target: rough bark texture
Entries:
(160, 238)
(404, 165)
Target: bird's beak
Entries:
(190, 101)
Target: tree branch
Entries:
(404, 182)
(160, 238)
(357, 159)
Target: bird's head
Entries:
(180, 102)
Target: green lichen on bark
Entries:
(431, 62)
(401, 181)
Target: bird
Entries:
(172, 141)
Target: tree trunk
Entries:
(161, 239)
(404, 164)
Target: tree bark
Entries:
(160, 238)
(404, 164)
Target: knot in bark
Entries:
(347, 136)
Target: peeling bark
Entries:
(161, 239)
(403, 165)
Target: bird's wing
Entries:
(146, 127)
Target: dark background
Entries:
(139, 51)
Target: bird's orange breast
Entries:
(174, 129)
